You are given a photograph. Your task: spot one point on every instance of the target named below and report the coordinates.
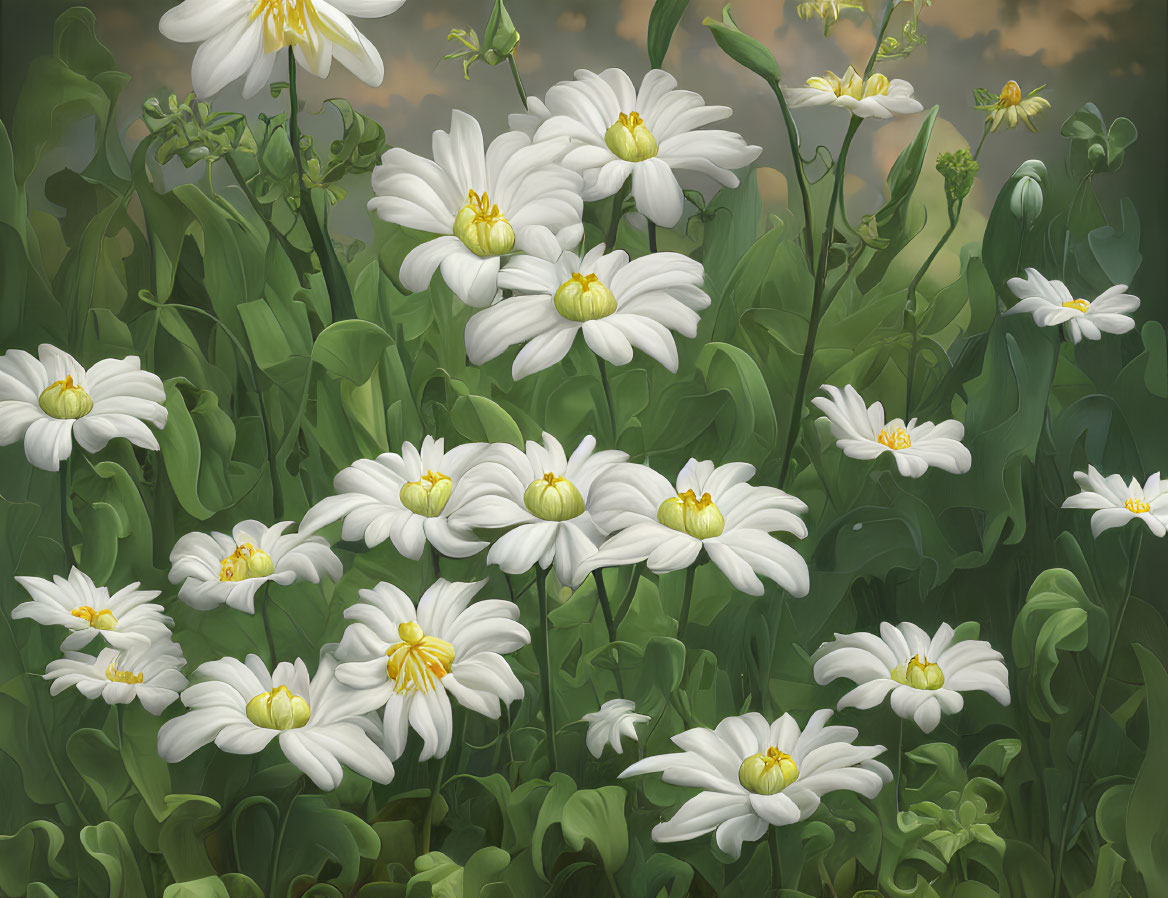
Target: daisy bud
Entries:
(553, 498)
(768, 773)
(584, 298)
(278, 710)
(428, 495)
(1026, 201)
(482, 227)
(630, 138)
(64, 399)
(686, 513)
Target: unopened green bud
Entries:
(959, 169)
(1026, 201)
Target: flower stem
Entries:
(899, 762)
(686, 601)
(776, 867)
(607, 397)
(66, 483)
(274, 871)
(518, 80)
(543, 657)
(652, 237)
(800, 174)
(910, 309)
(984, 134)
(618, 205)
(436, 563)
(627, 602)
(268, 629)
(340, 295)
(609, 622)
(428, 823)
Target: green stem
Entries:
(274, 871)
(984, 134)
(340, 295)
(880, 37)
(607, 397)
(910, 308)
(618, 205)
(686, 601)
(800, 174)
(435, 563)
(518, 80)
(543, 657)
(899, 761)
(66, 483)
(627, 601)
(268, 630)
(296, 256)
(776, 867)
(609, 622)
(652, 237)
(428, 824)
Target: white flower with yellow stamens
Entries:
(486, 204)
(711, 508)
(926, 676)
(241, 707)
(1115, 502)
(123, 620)
(1051, 304)
(407, 498)
(616, 719)
(1011, 107)
(543, 495)
(217, 569)
(753, 775)
(876, 97)
(861, 432)
(245, 37)
(49, 400)
(616, 304)
(414, 660)
(650, 133)
(151, 673)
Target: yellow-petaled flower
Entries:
(65, 399)
(553, 498)
(1011, 107)
(482, 228)
(584, 298)
(246, 561)
(416, 661)
(919, 673)
(894, 438)
(427, 495)
(101, 620)
(117, 675)
(685, 512)
(768, 773)
(630, 138)
(279, 709)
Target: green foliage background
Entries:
(217, 287)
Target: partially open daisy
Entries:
(1116, 502)
(617, 719)
(151, 673)
(874, 97)
(1051, 303)
(1011, 107)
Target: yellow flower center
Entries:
(246, 561)
(768, 773)
(630, 138)
(687, 513)
(919, 673)
(428, 495)
(116, 675)
(582, 297)
(482, 227)
(1137, 506)
(100, 620)
(1011, 95)
(290, 23)
(64, 399)
(553, 498)
(897, 438)
(279, 709)
(1081, 304)
(851, 84)
(418, 659)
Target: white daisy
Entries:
(861, 432)
(711, 508)
(543, 496)
(1051, 303)
(407, 498)
(217, 569)
(51, 399)
(413, 660)
(651, 133)
(487, 204)
(151, 673)
(321, 724)
(618, 305)
(123, 620)
(616, 718)
(1115, 502)
(876, 97)
(926, 676)
(244, 37)
(754, 775)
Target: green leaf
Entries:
(351, 349)
(1121, 135)
(480, 419)
(744, 49)
(597, 817)
(107, 844)
(662, 22)
(21, 861)
(207, 887)
(1147, 812)
(903, 177)
(753, 429)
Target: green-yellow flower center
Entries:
(279, 709)
(99, 620)
(630, 138)
(686, 513)
(1081, 304)
(416, 661)
(1011, 95)
(427, 495)
(64, 399)
(117, 675)
(246, 561)
(553, 498)
(1137, 506)
(482, 227)
(919, 673)
(290, 23)
(768, 773)
(851, 84)
(582, 297)
(896, 438)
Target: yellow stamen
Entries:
(686, 513)
(553, 498)
(768, 773)
(1137, 506)
(897, 438)
(630, 138)
(65, 399)
(482, 228)
(1081, 304)
(418, 659)
(582, 297)
(920, 673)
(100, 620)
(115, 675)
(279, 709)
(427, 495)
(291, 23)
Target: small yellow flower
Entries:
(1011, 107)
(828, 10)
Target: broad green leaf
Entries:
(351, 349)
(107, 844)
(482, 419)
(663, 21)
(25, 857)
(207, 887)
(744, 49)
(597, 817)
(1147, 812)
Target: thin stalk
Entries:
(518, 80)
(984, 134)
(609, 622)
(880, 37)
(265, 614)
(270, 451)
(543, 656)
(899, 762)
(627, 602)
(910, 308)
(274, 870)
(66, 483)
(607, 397)
(686, 601)
(618, 205)
(428, 824)
(800, 174)
(340, 295)
(652, 237)
(776, 867)
(435, 563)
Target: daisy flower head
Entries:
(413, 660)
(925, 675)
(241, 707)
(126, 619)
(1051, 303)
(616, 719)
(754, 775)
(543, 495)
(651, 133)
(861, 432)
(485, 204)
(50, 398)
(407, 498)
(217, 569)
(1010, 106)
(240, 38)
(710, 507)
(873, 97)
(1115, 502)
(150, 673)
(616, 304)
